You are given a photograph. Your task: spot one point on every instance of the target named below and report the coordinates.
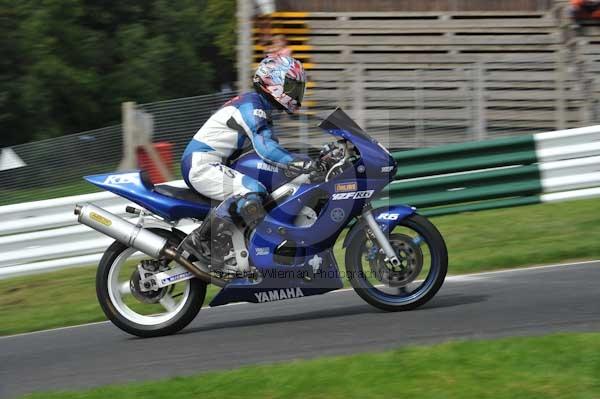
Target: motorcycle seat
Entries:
(182, 193)
(177, 189)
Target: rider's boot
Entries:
(199, 241)
(242, 211)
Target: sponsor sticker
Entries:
(262, 251)
(100, 219)
(267, 167)
(388, 216)
(260, 113)
(278, 295)
(176, 277)
(345, 187)
(387, 169)
(124, 178)
(315, 262)
(353, 195)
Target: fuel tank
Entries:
(253, 166)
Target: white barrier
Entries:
(44, 235)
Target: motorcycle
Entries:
(395, 259)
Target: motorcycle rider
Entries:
(279, 83)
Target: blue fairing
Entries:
(387, 217)
(292, 253)
(300, 280)
(130, 185)
(255, 167)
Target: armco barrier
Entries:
(44, 235)
(557, 166)
(498, 173)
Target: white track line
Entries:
(461, 278)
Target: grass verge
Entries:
(555, 366)
(476, 242)
(14, 196)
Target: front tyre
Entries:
(424, 263)
(145, 314)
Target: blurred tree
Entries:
(222, 26)
(10, 70)
(67, 65)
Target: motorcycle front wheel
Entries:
(424, 262)
(144, 314)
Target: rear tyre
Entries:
(422, 250)
(150, 314)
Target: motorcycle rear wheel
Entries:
(139, 315)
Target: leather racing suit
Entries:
(243, 120)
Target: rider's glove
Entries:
(318, 170)
(304, 166)
(317, 166)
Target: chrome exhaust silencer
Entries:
(121, 230)
(137, 237)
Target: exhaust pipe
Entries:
(137, 237)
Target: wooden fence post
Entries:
(358, 94)
(244, 44)
(480, 102)
(138, 127)
(130, 139)
(419, 108)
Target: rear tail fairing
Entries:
(131, 186)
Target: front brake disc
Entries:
(411, 262)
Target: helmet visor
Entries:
(294, 89)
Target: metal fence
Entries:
(403, 107)
(54, 167)
(435, 105)
(176, 121)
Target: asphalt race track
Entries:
(522, 302)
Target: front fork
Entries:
(382, 240)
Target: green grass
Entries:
(48, 300)
(58, 299)
(529, 235)
(555, 366)
(479, 241)
(8, 197)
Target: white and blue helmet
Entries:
(283, 78)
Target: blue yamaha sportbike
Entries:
(148, 286)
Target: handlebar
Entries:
(341, 162)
